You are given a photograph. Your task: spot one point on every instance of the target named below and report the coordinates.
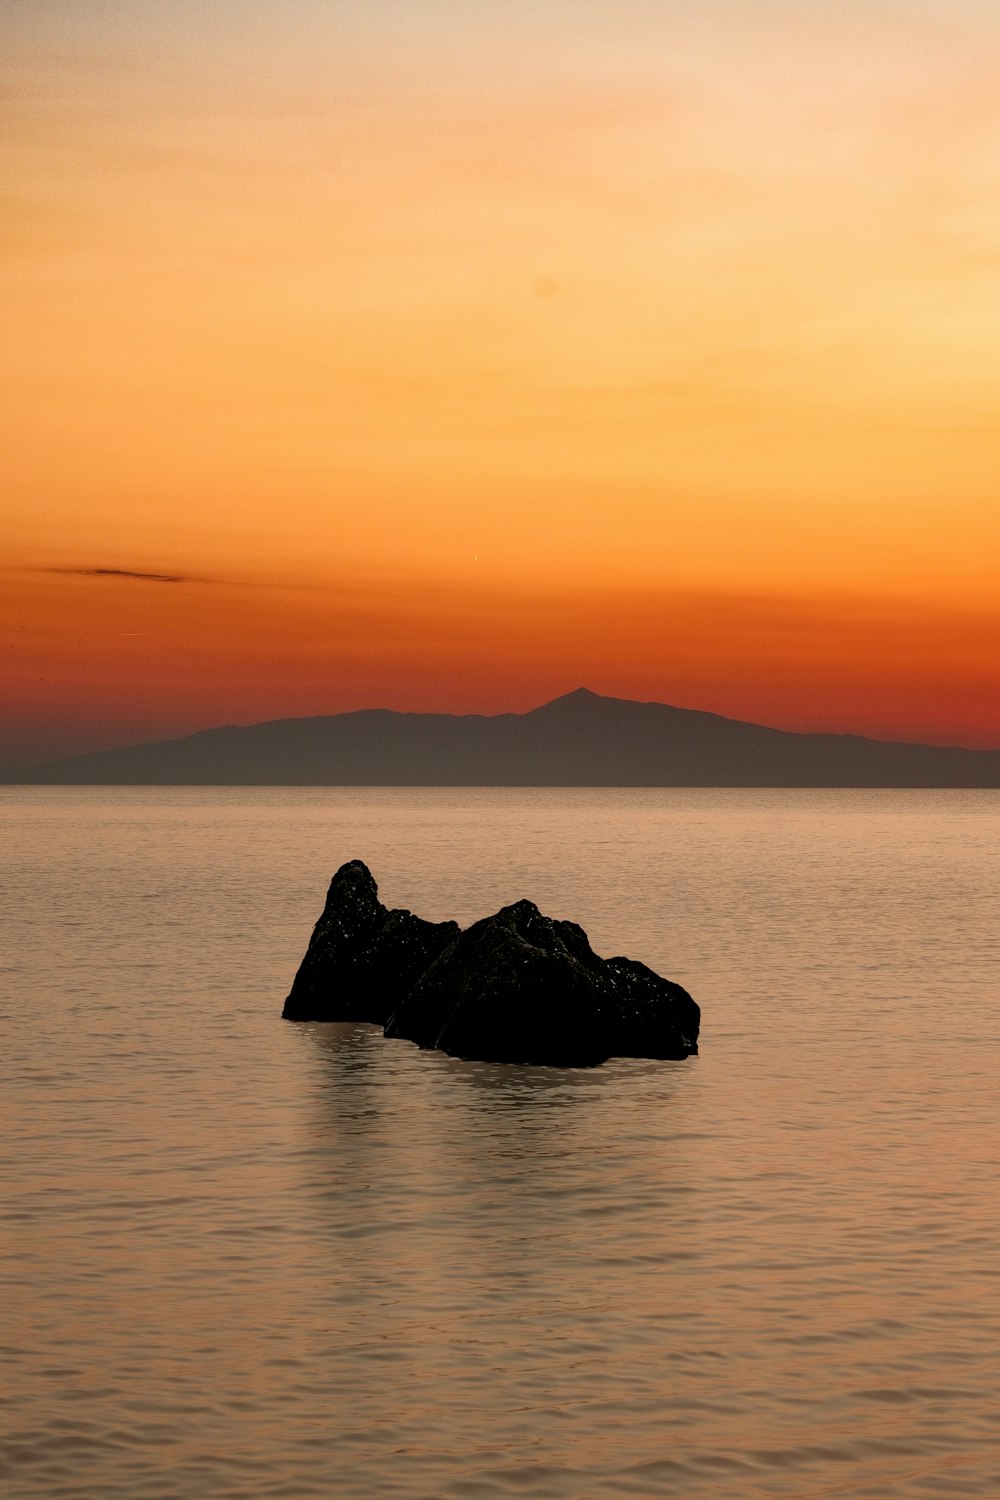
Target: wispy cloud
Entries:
(128, 573)
(358, 584)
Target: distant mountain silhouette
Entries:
(581, 739)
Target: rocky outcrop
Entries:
(362, 959)
(514, 987)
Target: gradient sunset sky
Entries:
(452, 354)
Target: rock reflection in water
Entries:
(479, 1218)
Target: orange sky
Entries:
(451, 356)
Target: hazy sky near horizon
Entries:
(450, 355)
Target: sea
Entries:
(244, 1259)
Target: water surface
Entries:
(243, 1258)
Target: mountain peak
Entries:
(585, 703)
(577, 698)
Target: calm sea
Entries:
(244, 1258)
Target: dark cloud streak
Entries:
(351, 585)
(128, 573)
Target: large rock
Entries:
(520, 987)
(516, 987)
(362, 959)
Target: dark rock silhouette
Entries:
(362, 958)
(515, 987)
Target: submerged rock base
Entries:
(516, 987)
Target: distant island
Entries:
(580, 739)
